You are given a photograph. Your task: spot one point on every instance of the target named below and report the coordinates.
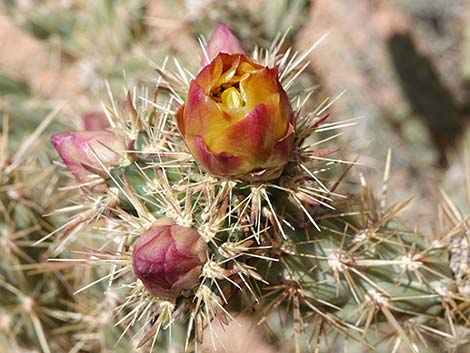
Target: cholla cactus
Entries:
(214, 196)
(30, 308)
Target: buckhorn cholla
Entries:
(217, 198)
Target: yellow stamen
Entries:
(231, 98)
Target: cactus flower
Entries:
(168, 258)
(237, 120)
(84, 152)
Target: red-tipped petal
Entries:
(222, 40)
(264, 88)
(216, 163)
(251, 137)
(279, 156)
(282, 148)
(202, 114)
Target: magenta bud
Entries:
(94, 121)
(87, 152)
(222, 40)
(168, 258)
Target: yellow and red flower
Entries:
(237, 120)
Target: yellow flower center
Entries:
(232, 99)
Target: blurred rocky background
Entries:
(401, 66)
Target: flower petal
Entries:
(202, 114)
(263, 87)
(216, 163)
(222, 40)
(280, 153)
(250, 138)
(282, 149)
(208, 77)
(149, 256)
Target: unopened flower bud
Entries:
(168, 258)
(222, 40)
(86, 152)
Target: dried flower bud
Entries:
(237, 120)
(84, 152)
(168, 258)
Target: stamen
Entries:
(232, 99)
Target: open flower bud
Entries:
(237, 120)
(85, 152)
(168, 258)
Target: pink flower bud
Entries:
(168, 258)
(84, 152)
(94, 121)
(222, 40)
